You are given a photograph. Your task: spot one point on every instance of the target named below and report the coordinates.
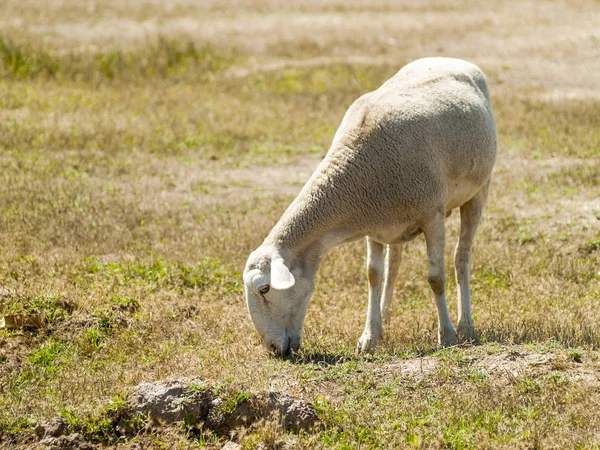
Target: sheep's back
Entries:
(424, 132)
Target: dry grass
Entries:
(146, 149)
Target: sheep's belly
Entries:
(458, 194)
(396, 235)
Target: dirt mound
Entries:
(291, 413)
(189, 400)
(171, 401)
(54, 435)
(294, 414)
(74, 441)
(52, 428)
(166, 402)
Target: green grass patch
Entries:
(52, 307)
(159, 59)
(206, 274)
(47, 355)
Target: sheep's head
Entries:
(278, 288)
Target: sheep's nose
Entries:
(294, 343)
(285, 350)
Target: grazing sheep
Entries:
(403, 158)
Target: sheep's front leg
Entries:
(470, 216)
(393, 258)
(373, 328)
(435, 238)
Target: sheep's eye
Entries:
(264, 289)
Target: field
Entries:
(147, 147)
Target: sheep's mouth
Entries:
(290, 346)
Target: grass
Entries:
(138, 177)
(160, 59)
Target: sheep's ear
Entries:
(281, 277)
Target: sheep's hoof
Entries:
(447, 337)
(466, 331)
(368, 342)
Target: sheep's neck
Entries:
(318, 218)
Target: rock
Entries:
(171, 401)
(52, 428)
(231, 446)
(73, 441)
(293, 414)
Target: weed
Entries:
(235, 400)
(47, 356)
(479, 375)
(576, 355)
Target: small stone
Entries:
(231, 446)
(6, 293)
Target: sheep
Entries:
(404, 156)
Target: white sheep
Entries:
(403, 158)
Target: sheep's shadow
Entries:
(320, 358)
(485, 336)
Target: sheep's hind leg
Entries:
(435, 237)
(470, 216)
(375, 267)
(393, 258)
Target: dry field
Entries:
(147, 147)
